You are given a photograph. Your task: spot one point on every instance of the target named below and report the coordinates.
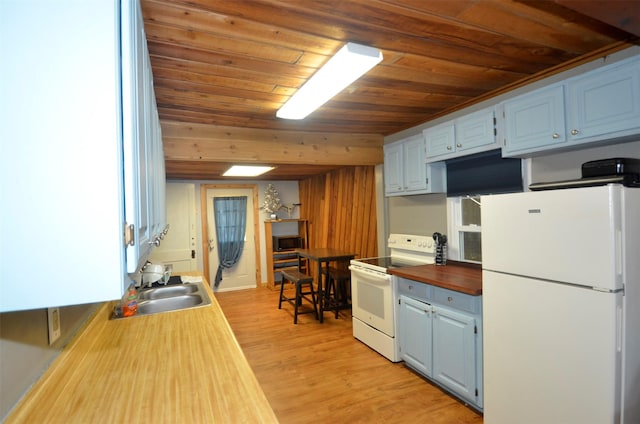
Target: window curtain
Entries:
(230, 215)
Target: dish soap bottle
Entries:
(130, 302)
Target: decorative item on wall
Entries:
(290, 209)
(271, 203)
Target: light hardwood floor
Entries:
(318, 373)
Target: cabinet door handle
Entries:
(129, 235)
(556, 135)
(458, 145)
(574, 132)
(449, 147)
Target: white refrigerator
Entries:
(561, 302)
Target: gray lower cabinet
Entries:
(454, 352)
(440, 335)
(416, 330)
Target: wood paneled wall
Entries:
(341, 209)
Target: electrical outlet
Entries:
(53, 318)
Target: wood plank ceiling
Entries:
(222, 68)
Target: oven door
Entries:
(372, 299)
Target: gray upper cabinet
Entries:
(441, 141)
(535, 120)
(405, 170)
(144, 174)
(599, 106)
(81, 153)
(605, 102)
(463, 136)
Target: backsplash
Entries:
(25, 350)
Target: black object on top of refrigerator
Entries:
(625, 171)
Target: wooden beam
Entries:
(199, 142)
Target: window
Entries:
(464, 229)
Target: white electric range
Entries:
(374, 292)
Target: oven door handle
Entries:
(369, 273)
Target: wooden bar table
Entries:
(323, 255)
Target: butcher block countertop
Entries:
(465, 278)
(175, 367)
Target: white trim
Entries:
(455, 228)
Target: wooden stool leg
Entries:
(298, 279)
(332, 295)
(338, 283)
(281, 293)
(313, 298)
(336, 303)
(297, 302)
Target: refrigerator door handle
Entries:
(619, 329)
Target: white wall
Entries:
(25, 353)
(568, 165)
(420, 215)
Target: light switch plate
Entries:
(53, 318)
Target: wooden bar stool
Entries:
(300, 280)
(336, 295)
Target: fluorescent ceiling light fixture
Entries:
(246, 171)
(350, 63)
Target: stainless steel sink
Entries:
(169, 298)
(153, 306)
(168, 291)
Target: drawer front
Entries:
(415, 289)
(456, 300)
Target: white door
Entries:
(243, 274)
(178, 247)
